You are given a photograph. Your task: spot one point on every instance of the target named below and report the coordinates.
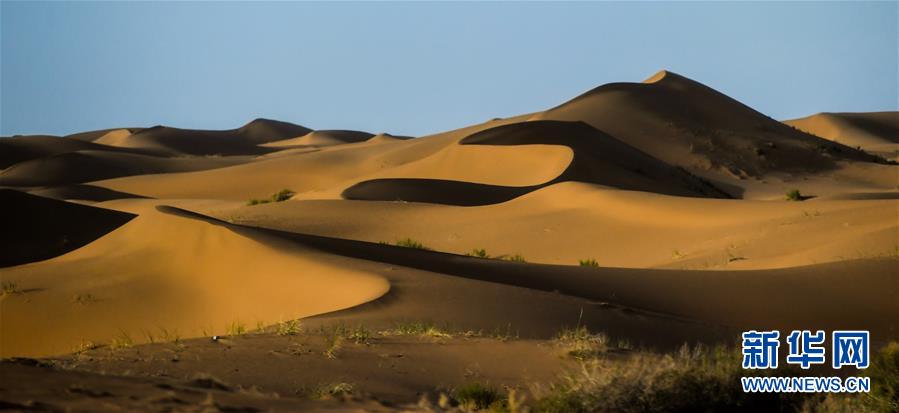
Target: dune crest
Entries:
(322, 138)
(658, 76)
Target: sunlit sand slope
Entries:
(164, 275)
(876, 132)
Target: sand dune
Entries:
(322, 138)
(688, 124)
(568, 222)
(327, 172)
(240, 141)
(532, 154)
(25, 148)
(116, 137)
(730, 297)
(597, 158)
(109, 134)
(91, 165)
(876, 132)
(163, 274)
(386, 137)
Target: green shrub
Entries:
(590, 262)
(516, 258)
(358, 334)
(411, 243)
(236, 328)
(282, 195)
(416, 328)
(794, 195)
(279, 196)
(479, 252)
(288, 328)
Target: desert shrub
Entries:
(326, 391)
(333, 344)
(693, 379)
(282, 195)
(411, 243)
(884, 373)
(10, 287)
(581, 344)
(477, 396)
(289, 328)
(516, 258)
(236, 328)
(590, 262)
(479, 252)
(122, 341)
(84, 299)
(416, 328)
(794, 195)
(358, 334)
(279, 196)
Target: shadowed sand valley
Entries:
(649, 214)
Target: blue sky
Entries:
(419, 68)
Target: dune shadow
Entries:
(598, 159)
(36, 228)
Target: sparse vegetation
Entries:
(416, 329)
(328, 391)
(279, 196)
(236, 328)
(515, 258)
(84, 299)
(122, 341)
(358, 334)
(334, 342)
(704, 379)
(411, 243)
(581, 344)
(478, 396)
(795, 195)
(167, 335)
(479, 252)
(85, 346)
(884, 373)
(288, 328)
(10, 288)
(693, 379)
(590, 262)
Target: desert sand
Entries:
(654, 213)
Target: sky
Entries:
(420, 68)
